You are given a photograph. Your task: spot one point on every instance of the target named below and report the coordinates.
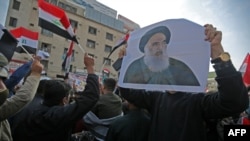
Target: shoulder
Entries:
(175, 62)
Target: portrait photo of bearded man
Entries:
(155, 66)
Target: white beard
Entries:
(156, 63)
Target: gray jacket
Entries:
(12, 105)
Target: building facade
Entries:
(96, 32)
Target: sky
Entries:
(229, 16)
(3, 10)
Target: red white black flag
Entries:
(121, 42)
(67, 59)
(8, 43)
(245, 70)
(27, 39)
(55, 20)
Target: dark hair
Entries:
(159, 29)
(40, 88)
(55, 91)
(109, 84)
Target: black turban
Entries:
(159, 29)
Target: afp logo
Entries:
(237, 132)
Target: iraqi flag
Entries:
(121, 42)
(27, 39)
(67, 59)
(8, 43)
(245, 70)
(55, 20)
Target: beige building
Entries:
(97, 34)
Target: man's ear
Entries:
(65, 100)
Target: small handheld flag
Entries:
(27, 39)
(67, 59)
(120, 43)
(245, 69)
(8, 43)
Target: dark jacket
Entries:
(108, 106)
(181, 116)
(134, 126)
(55, 123)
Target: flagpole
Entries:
(102, 68)
(103, 65)
(27, 52)
(79, 45)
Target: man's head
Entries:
(56, 93)
(154, 45)
(40, 88)
(155, 39)
(109, 85)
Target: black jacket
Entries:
(55, 123)
(181, 116)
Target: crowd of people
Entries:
(43, 109)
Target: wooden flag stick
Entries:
(81, 48)
(27, 52)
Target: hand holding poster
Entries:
(169, 55)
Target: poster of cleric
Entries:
(171, 55)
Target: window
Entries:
(73, 10)
(13, 22)
(46, 32)
(107, 60)
(90, 43)
(46, 47)
(62, 5)
(67, 7)
(16, 5)
(107, 48)
(109, 36)
(54, 2)
(92, 30)
(73, 23)
(65, 53)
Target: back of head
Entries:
(54, 92)
(109, 84)
(40, 88)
